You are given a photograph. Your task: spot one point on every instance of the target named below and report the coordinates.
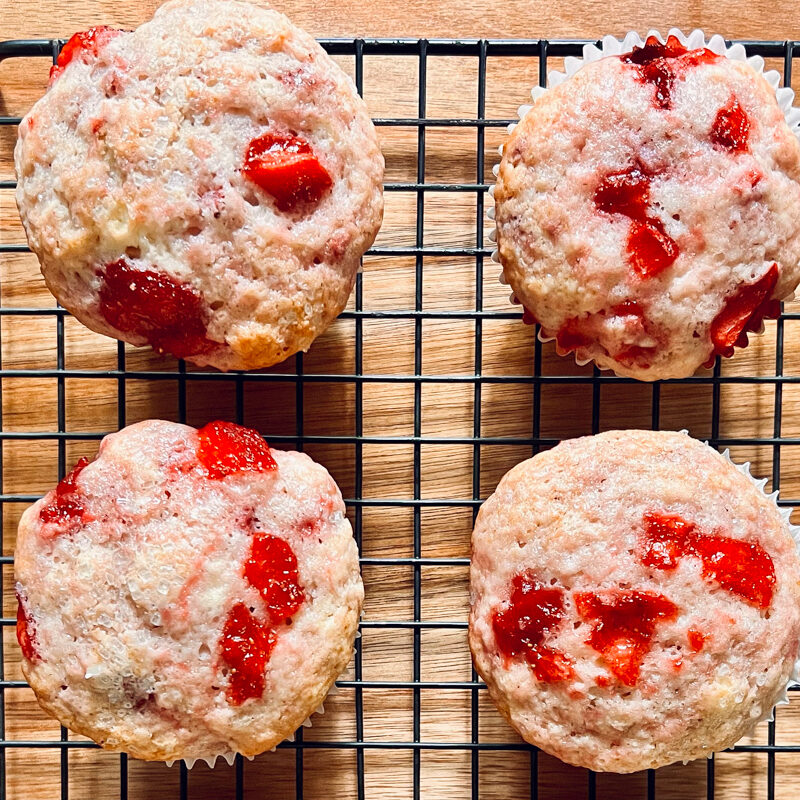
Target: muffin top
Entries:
(635, 600)
(205, 184)
(187, 594)
(648, 209)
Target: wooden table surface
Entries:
(444, 18)
(96, 404)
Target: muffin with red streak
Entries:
(205, 184)
(648, 210)
(187, 594)
(635, 600)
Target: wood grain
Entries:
(29, 404)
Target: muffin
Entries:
(648, 210)
(635, 600)
(188, 594)
(205, 184)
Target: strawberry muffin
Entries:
(187, 594)
(635, 600)
(205, 184)
(648, 210)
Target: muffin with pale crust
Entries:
(648, 210)
(635, 600)
(205, 184)
(187, 594)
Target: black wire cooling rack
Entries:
(481, 51)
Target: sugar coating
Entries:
(138, 155)
(565, 259)
(573, 514)
(128, 611)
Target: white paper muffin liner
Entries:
(230, 755)
(611, 46)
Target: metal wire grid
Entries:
(421, 49)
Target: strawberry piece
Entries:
(170, 315)
(84, 45)
(521, 626)
(650, 249)
(226, 448)
(246, 646)
(626, 193)
(66, 508)
(272, 569)
(742, 568)
(572, 336)
(26, 634)
(662, 64)
(285, 166)
(624, 622)
(745, 312)
(731, 128)
(696, 639)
